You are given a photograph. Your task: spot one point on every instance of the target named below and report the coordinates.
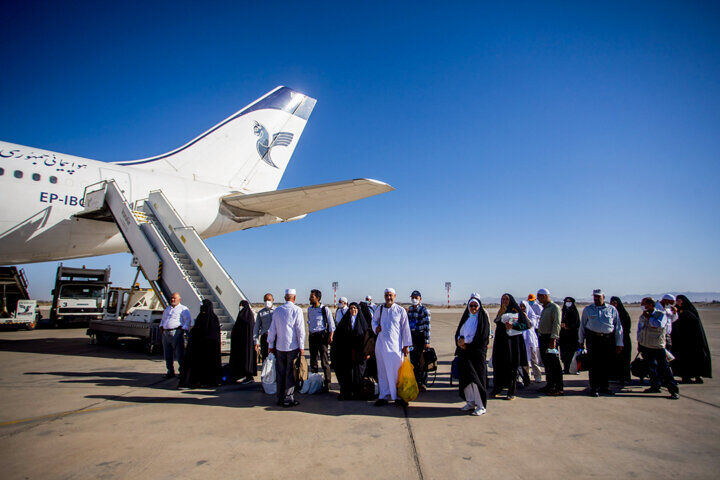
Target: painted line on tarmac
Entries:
(416, 458)
(699, 401)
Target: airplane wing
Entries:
(295, 202)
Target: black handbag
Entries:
(639, 367)
(430, 360)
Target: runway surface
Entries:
(71, 410)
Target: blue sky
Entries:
(563, 145)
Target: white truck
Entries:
(24, 316)
(79, 295)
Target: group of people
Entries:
(363, 341)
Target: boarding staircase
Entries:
(171, 255)
(13, 287)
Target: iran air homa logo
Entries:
(280, 139)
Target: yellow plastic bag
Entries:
(407, 387)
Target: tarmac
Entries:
(72, 410)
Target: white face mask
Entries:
(268, 304)
(415, 301)
(568, 304)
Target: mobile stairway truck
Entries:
(170, 254)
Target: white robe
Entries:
(395, 335)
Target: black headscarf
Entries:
(243, 362)
(513, 307)
(625, 320)
(482, 334)
(207, 323)
(689, 343)
(687, 305)
(348, 340)
(365, 310)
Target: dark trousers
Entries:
(285, 374)
(173, 343)
(660, 371)
(417, 358)
(263, 347)
(350, 377)
(601, 356)
(553, 369)
(319, 348)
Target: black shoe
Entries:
(699, 380)
(169, 375)
(594, 393)
(279, 403)
(380, 402)
(401, 403)
(651, 390)
(607, 391)
(686, 380)
(294, 403)
(674, 396)
(554, 393)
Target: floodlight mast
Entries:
(335, 287)
(447, 288)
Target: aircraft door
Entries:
(121, 178)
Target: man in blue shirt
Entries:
(600, 327)
(321, 328)
(419, 319)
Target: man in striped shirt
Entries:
(419, 319)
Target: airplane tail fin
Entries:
(249, 150)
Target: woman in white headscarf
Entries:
(472, 337)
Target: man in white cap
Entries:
(370, 304)
(286, 339)
(667, 305)
(390, 323)
(600, 326)
(549, 333)
(341, 310)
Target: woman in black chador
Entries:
(202, 358)
(243, 362)
(472, 337)
(569, 327)
(370, 338)
(689, 344)
(621, 370)
(508, 347)
(348, 352)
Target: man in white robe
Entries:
(390, 322)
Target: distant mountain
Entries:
(693, 296)
(703, 297)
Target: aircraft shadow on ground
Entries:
(109, 379)
(79, 347)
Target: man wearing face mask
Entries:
(341, 310)
(419, 319)
(263, 319)
(651, 335)
(667, 305)
(600, 327)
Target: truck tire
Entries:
(30, 326)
